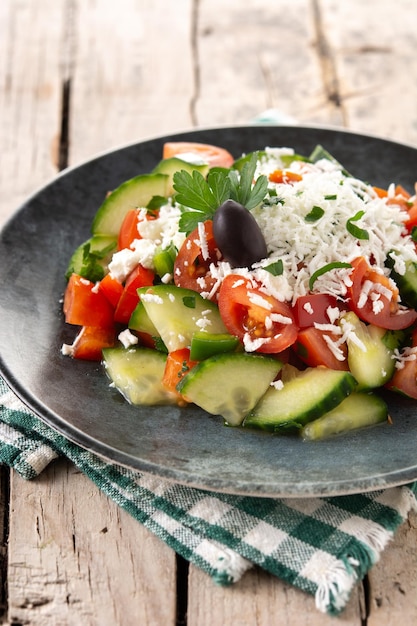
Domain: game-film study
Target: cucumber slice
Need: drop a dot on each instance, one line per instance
(175, 164)
(356, 411)
(178, 313)
(133, 193)
(91, 258)
(139, 321)
(302, 399)
(370, 361)
(137, 373)
(205, 345)
(407, 282)
(229, 384)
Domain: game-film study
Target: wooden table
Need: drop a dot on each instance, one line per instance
(80, 77)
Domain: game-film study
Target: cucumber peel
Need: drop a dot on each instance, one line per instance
(229, 384)
(305, 397)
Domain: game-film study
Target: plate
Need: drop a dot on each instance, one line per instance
(183, 445)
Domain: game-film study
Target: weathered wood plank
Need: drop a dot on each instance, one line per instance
(260, 599)
(393, 582)
(373, 47)
(77, 558)
(132, 73)
(30, 96)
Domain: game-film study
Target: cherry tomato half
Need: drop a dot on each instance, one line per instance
(374, 298)
(313, 349)
(260, 321)
(191, 267)
(314, 308)
(213, 155)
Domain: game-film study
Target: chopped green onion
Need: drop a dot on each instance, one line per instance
(276, 268)
(326, 268)
(315, 214)
(331, 197)
(355, 231)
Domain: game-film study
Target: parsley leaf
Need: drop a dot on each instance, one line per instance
(200, 198)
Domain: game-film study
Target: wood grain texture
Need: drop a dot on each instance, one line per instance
(76, 558)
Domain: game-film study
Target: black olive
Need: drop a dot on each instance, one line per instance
(238, 235)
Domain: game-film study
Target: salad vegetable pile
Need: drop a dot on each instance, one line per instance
(275, 290)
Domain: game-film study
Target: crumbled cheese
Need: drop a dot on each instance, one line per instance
(278, 384)
(308, 308)
(203, 241)
(127, 338)
(251, 345)
(151, 297)
(67, 350)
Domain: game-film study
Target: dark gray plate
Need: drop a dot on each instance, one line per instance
(185, 445)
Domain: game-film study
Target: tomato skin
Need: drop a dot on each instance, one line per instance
(191, 270)
(312, 348)
(111, 288)
(284, 176)
(389, 317)
(404, 380)
(90, 341)
(129, 229)
(139, 277)
(244, 316)
(178, 363)
(213, 155)
(312, 308)
(84, 306)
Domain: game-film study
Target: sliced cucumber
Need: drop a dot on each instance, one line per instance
(205, 345)
(356, 411)
(91, 258)
(370, 360)
(302, 399)
(229, 384)
(175, 164)
(137, 373)
(133, 193)
(178, 313)
(407, 282)
(140, 321)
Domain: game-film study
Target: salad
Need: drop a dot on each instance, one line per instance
(275, 290)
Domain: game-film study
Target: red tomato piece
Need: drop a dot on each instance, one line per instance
(404, 379)
(129, 228)
(374, 298)
(313, 308)
(284, 176)
(313, 349)
(111, 288)
(139, 277)
(86, 306)
(191, 267)
(253, 316)
(90, 341)
(177, 365)
(213, 155)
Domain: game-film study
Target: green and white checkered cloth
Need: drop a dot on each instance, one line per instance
(323, 546)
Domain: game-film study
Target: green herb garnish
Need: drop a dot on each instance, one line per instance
(326, 268)
(355, 231)
(189, 301)
(315, 214)
(200, 197)
(276, 268)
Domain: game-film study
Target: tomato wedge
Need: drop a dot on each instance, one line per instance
(139, 277)
(191, 267)
(313, 349)
(86, 306)
(284, 176)
(404, 380)
(260, 321)
(213, 155)
(129, 228)
(374, 298)
(111, 288)
(314, 308)
(90, 341)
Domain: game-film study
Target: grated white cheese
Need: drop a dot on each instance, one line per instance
(127, 338)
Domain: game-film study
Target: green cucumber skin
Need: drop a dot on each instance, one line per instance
(229, 384)
(134, 193)
(374, 366)
(137, 374)
(96, 243)
(139, 321)
(304, 398)
(174, 164)
(175, 322)
(407, 284)
(358, 410)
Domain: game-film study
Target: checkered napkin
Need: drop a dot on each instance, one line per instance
(323, 546)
